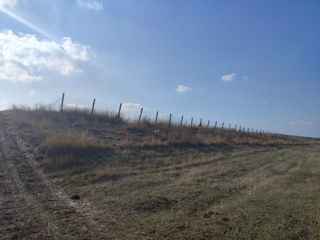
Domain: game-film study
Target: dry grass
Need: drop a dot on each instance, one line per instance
(183, 136)
(67, 141)
(74, 138)
(162, 182)
(151, 135)
(71, 151)
(188, 161)
(110, 173)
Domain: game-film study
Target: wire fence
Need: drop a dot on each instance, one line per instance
(136, 113)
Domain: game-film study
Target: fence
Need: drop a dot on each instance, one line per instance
(136, 113)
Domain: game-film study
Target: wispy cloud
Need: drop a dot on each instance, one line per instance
(20, 19)
(8, 3)
(182, 89)
(228, 77)
(131, 107)
(23, 57)
(90, 4)
(300, 123)
(245, 78)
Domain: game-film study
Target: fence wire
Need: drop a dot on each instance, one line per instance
(131, 113)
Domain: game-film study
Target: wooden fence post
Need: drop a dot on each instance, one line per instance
(208, 124)
(62, 100)
(191, 121)
(119, 110)
(229, 125)
(92, 109)
(200, 124)
(140, 117)
(170, 119)
(215, 125)
(222, 125)
(156, 121)
(181, 121)
(240, 128)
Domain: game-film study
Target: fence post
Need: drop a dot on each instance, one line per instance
(229, 125)
(240, 128)
(235, 127)
(208, 124)
(92, 109)
(222, 125)
(181, 121)
(170, 119)
(215, 125)
(119, 110)
(62, 100)
(156, 121)
(200, 124)
(191, 121)
(140, 116)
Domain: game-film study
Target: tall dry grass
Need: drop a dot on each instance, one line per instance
(145, 135)
(72, 150)
(67, 141)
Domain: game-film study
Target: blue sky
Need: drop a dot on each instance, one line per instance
(250, 63)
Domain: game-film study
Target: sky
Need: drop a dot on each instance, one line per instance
(250, 63)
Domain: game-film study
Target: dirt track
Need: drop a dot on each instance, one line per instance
(32, 206)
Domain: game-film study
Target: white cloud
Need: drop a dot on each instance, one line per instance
(300, 123)
(131, 107)
(182, 89)
(8, 3)
(14, 73)
(75, 50)
(90, 4)
(31, 93)
(23, 57)
(228, 77)
(245, 78)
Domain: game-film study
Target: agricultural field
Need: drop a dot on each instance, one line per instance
(70, 175)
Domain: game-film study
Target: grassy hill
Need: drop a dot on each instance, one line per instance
(101, 177)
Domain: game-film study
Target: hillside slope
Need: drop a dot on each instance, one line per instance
(75, 176)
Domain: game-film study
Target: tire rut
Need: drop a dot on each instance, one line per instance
(19, 209)
(62, 217)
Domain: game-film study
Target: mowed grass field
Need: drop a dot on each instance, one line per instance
(99, 177)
